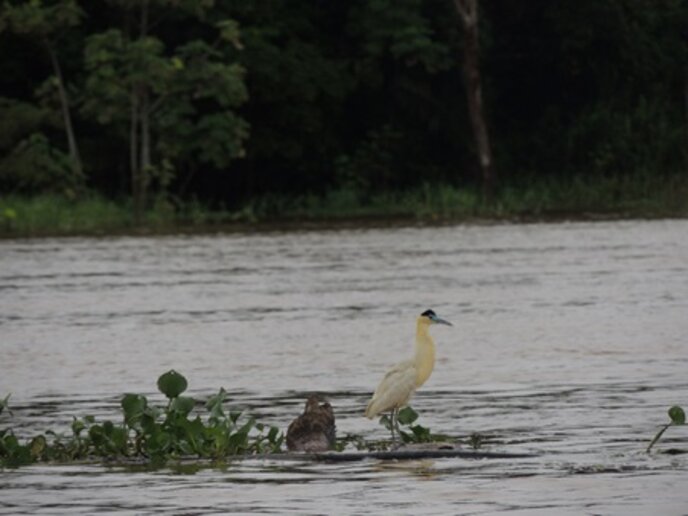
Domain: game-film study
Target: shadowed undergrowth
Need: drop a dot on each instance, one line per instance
(643, 196)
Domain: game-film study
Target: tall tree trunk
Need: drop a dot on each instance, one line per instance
(139, 133)
(134, 157)
(144, 118)
(468, 11)
(66, 114)
(145, 145)
(685, 91)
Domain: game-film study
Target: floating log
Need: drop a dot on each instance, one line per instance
(404, 453)
(399, 454)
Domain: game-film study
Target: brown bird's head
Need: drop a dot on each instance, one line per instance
(313, 408)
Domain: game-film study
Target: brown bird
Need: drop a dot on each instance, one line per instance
(314, 430)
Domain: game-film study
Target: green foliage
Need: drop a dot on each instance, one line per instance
(476, 440)
(325, 109)
(57, 214)
(678, 418)
(402, 31)
(36, 166)
(36, 18)
(174, 105)
(52, 214)
(28, 162)
(172, 384)
(413, 433)
(4, 404)
(154, 433)
(18, 120)
(677, 415)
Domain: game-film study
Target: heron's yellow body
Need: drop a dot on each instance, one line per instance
(398, 386)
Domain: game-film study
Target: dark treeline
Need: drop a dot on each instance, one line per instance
(227, 100)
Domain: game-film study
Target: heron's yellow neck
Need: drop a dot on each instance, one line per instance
(425, 353)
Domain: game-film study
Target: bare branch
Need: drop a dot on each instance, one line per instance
(468, 10)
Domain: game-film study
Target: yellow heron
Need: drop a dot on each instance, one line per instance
(400, 383)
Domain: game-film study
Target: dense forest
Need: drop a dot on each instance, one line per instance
(223, 101)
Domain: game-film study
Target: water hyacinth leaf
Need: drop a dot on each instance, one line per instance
(386, 422)
(194, 434)
(149, 421)
(133, 406)
(4, 404)
(247, 427)
(237, 442)
(677, 415)
(422, 434)
(407, 416)
(97, 435)
(119, 437)
(217, 400)
(214, 406)
(183, 405)
(172, 384)
(77, 426)
(108, 428)
(272, 434)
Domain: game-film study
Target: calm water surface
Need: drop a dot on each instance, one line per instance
(570, 341)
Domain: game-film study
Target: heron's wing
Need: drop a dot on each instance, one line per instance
(395, 389)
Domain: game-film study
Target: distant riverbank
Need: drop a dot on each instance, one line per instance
(53, 215)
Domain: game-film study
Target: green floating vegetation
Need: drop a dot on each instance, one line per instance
(415, 433)
(157, 434)
(677, 416)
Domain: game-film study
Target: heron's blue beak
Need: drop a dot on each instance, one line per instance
(440, 321)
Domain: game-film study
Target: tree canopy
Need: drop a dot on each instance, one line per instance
(225, 101)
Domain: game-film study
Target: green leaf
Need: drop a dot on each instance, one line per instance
(677, 415)
(183, 405)
(77, 426)
(134, 406)
(407, 416)
(272, 434)
(386, 422)
(172, 384)
(108, 428)
(214, 406)
(229, 31)
(148, 422)
(97, 435)
(4, 404)
(119, 438)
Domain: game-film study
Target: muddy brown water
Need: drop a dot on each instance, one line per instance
(570, 342)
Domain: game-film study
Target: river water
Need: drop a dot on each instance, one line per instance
(570, 341)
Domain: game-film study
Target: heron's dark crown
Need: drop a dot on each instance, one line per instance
(429, 313)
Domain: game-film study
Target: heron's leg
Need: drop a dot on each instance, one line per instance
(396, 423)
(392, 424)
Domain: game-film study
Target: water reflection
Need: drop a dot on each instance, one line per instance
(569, 342)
